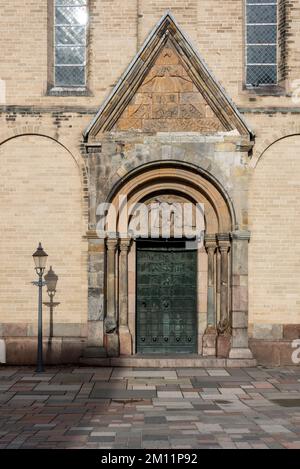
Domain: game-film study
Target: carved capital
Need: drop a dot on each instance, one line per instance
(125, 245)
(111, 244)
(210, 242)
(223, 242)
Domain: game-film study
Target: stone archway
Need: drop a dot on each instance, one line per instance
(222, 263)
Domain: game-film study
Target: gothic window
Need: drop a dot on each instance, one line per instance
(70, 33)
(261, 42)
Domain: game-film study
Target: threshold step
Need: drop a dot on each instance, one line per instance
(169, 362)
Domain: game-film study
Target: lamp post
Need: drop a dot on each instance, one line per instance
(40, 259)
(51, 281)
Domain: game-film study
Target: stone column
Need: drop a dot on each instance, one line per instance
(124, 333)
(111, 323)
(96, 289)
(224, 245)
(210, 335)
(224, 331)
(240, 346)
(218, 283)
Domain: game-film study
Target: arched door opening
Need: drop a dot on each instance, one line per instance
(170, 295)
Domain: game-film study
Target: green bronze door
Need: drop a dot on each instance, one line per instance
(166, 298)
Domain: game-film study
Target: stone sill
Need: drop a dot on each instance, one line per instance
(268, 90)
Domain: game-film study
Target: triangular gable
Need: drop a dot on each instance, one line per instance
(167, 87)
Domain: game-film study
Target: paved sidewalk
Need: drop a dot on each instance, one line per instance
(143, 408)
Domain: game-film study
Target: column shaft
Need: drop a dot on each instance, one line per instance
(240, 347)
(210, 244)
(123, 282)
(210, 335)
(224, 245)
(111, 316)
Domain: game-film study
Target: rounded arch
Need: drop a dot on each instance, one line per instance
(264, 146)
(181, 178)
(46, 133)
(28, 131)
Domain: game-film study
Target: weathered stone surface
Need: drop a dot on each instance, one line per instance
(167, 100)
(272, 352)
(223, 346)
(13, 330)
(240, 337)
(240, 319)
(71, 350)
(95, 333)
(268, 331)
(265, 352)
(291, 331)
(96, 300)
(125, 341)
(112, 344)
(209, 344)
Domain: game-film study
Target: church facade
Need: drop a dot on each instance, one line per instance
(117, 107)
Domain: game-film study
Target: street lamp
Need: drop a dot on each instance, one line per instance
(40, 260)
(51, 281)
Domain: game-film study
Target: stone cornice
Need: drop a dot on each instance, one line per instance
(242, 235)
(16, 109)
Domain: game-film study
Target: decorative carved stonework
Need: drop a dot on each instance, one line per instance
(167, 87)
(177, 222)
(168, 100)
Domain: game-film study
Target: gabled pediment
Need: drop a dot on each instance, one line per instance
(167, 87)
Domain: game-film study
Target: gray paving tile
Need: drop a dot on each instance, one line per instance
(121, 394)
(106, 408)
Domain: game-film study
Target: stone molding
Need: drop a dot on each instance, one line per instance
(241, 235)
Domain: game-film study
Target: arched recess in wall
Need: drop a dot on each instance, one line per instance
(49, 133)
(41, 200)
(274, 250)
(261, 147)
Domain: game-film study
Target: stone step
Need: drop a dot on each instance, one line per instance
(168, 362)
(94, 361)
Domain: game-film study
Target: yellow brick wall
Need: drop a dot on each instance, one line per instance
(41, 200)
(113, 43)
(184, 11)
(117, 28)
(274, 213)
(23, 56)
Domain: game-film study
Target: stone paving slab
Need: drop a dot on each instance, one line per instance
(121, 394)
(77, 407)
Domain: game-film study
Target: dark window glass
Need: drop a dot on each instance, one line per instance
(261, 42)
(70, 42)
